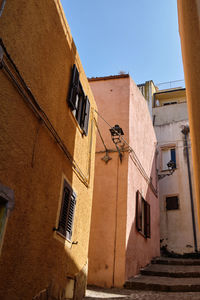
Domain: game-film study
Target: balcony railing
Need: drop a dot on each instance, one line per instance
(171, 85)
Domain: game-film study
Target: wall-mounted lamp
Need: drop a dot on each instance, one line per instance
(171, 168)
(116, 132)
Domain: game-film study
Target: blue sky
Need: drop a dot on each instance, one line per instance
(139, 37)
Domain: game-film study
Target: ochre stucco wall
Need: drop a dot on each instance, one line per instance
(117, 250)
(38, 39)
(189, 29)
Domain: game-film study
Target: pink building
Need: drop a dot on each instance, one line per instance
(125, 215)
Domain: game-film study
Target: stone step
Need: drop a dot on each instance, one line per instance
(165, 284)
(176, 271)
(176, 261)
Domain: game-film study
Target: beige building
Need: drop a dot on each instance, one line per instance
(47, 151)
(178, 211)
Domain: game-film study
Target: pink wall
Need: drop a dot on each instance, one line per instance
(108, 224)
(113, 253)
(142, 139)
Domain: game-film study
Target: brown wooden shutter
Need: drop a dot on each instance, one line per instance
(138, 211)
(67, 211)
(70, 219)
(86, 116)
(147, 216)
(74, 88)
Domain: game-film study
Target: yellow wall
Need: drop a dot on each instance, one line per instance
(189, 28)
(38, 39)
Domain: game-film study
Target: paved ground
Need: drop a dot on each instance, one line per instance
(116, 294)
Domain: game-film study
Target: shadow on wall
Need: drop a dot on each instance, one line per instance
(140, 250)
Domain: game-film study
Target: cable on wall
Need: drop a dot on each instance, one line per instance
(29, 98)
(134, 158)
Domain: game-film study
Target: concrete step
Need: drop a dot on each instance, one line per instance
(176, 271)
(176, 261)
(165, 284)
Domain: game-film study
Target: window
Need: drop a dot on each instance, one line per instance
(78, 102)
(167, 155)
(142, 216)
(3, 213)
(6, 206)
(169, 103)
(172, 203)
(66, 219)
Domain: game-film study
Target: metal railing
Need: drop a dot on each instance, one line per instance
(171, 84)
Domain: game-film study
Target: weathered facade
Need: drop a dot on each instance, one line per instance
(125, 213)
(47, 146)
(189, 29)
(178, 213)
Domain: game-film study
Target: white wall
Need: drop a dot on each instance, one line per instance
(176, 225)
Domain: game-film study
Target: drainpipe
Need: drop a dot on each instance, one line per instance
(185, 131)
(2, 7)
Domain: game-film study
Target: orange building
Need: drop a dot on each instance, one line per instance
(47, 150)
(125, 214)
(189, 29)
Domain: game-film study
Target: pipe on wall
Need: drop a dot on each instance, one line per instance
(185, 131)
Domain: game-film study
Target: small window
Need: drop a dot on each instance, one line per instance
(168, 155)
(172, 203)
(79, 102)
(142, 216)
(66, 219)
(3, 214)
(169, 103)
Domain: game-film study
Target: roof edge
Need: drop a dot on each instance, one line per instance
(109, 77)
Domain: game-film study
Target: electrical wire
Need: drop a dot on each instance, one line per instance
(26, 93)
(133, 156)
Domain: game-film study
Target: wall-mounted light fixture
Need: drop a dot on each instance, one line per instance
(116, 133)
(171, 168)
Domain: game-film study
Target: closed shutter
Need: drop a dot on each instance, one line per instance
(73, 95)
(147, 228)
(86, 116)
(138, 211)
(67, 211)
(70, 219)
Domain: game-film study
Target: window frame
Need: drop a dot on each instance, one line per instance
(143, 216)
(167, 148)
(178, 202)
(79, 102)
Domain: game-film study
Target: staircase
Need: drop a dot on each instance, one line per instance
(168, 275)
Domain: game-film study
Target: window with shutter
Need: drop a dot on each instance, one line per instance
(168, 154)
(78, 102)
(143, 224)
(66, 219)
(138, 211)
(3, 203)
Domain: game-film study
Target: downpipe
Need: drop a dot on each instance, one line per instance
(185, 131)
